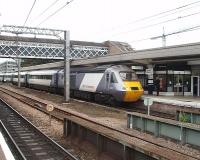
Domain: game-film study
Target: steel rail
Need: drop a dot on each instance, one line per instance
(99, 124)
(32, 127)
(12, 144)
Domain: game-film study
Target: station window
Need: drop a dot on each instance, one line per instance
(170, 82)
(143, 79)
(162, 78)
(175, 83)
(187, 83)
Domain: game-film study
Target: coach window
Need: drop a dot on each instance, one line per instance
(113, 78)
(47, 77)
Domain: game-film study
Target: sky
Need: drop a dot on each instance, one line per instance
(102, 20)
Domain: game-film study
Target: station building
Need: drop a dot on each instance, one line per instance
(178, 67)
(8, 66)
(179, 74)
(175, 79)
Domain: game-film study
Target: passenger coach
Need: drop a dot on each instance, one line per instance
(109, 83)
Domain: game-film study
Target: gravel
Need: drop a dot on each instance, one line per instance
(105, 115)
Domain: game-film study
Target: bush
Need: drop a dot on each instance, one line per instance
(183, 117)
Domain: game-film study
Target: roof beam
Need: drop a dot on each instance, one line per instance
(182, 51)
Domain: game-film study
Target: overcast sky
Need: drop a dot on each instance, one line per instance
(101, 20)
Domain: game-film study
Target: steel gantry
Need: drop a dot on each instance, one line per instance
(49, 44)
(47, 48)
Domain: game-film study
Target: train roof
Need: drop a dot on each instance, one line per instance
(43, 72)
(100, 68)
(90, 69)
(21, 73)
(2, 74)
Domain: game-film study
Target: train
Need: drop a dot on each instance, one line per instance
(107, 83)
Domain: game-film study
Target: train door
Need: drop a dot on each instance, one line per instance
(107, 82)
(59, 79)
(26, 76)
(56, 78)
(195, 85)
(12, 76)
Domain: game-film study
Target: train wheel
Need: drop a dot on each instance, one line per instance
(112, 102)
(97, 98)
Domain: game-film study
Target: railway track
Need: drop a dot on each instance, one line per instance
(33, 103)
(32, 143)
(42, 106)
(136, 107)
(60, 114)
(153, 113)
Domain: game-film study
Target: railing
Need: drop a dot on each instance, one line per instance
(185, 133)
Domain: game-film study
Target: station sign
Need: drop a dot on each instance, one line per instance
(150, 81)
(149, 71)
(148, 101)
(137, 67)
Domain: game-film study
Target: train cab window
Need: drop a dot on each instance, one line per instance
(113, 79)
(128, 76)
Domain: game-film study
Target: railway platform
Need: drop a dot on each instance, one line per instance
(185, 101)
(180, 106)
(2, 154)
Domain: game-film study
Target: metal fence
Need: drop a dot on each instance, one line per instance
(185, 133)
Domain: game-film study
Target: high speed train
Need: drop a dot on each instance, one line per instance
(108, 83)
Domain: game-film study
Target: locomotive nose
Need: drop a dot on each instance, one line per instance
(133, 91)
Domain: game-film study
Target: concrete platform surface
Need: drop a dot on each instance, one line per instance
(186, 101)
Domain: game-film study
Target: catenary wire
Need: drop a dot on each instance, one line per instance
(55, 12)
(50, 6)
(161, 13)
(177, 12)
(29, 12)
(177, 32)
(155, 24)
(158, 14)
